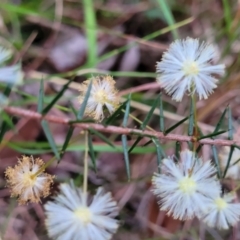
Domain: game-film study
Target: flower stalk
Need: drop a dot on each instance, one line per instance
(85, 171)
(195, 133)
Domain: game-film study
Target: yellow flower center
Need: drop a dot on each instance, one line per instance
(29, 179)
(101, 96)
(84, 214)
(190, 68)
(187, 185)
(221, 203)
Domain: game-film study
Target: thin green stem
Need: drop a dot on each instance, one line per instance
(91, 32)
(193, 96)
(195, 134)
(41, 169)
(167, 13)
(85, 171)
(48, 163)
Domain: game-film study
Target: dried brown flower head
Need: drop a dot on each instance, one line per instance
(103, 96)
(28, 181)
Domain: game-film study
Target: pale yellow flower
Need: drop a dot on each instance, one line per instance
(28, 181)
(103, 96)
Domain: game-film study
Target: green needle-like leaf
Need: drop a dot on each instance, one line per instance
(85, 100)
(73, 110)
(236, 162)
(126, 157)
(167, 13)
(228, 161)
(178, 150)
(230, 125)
(175, 125)
(100, 135)
(91, 152)
(160, 152)
(127, 110)
(19, 9)
(227, 16)
(150, 141)
(216, 160)
(91, 32)
(41, 148)
(236, 146)
(147, 143)
(8, 121)
(4, 128)
(134, 144)
(149, 114)
(212, 134)
(145, 122)
(69, 133)
(199, 131)
(67, 140)
(40, 97)
(191, 118)
(219, 124)
(49, 137)
(44, 123)
(59, 95)
(199, 148)
(7, 90)
(111, 118)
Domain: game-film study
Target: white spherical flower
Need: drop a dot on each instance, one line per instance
(9, 74)
(221, 212)
(233, 169)
(72, 217)
(187, 66)
(103, 95)
(184, 188)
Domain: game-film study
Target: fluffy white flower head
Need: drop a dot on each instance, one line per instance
(103, 95)
(221, 212)
(184, 188)
(187, 66)
(72, 217)
(9, 74)
(27, 182)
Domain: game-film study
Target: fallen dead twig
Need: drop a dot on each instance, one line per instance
(114, 129)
